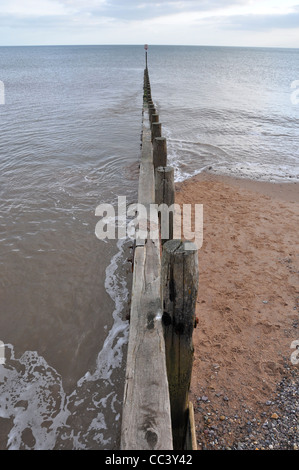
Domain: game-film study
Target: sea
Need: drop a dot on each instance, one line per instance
(70, 140)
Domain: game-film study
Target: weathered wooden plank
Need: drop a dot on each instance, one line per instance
(146, 422)
(190, 440)
(146, 416)
(146, 187)
(192, 426)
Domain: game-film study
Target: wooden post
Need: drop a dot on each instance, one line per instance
(156, 130)
(146, 88)
(165, 194)
(159, 152)
(179, 287)
(151, 111)
(155, 118)
(164, 186)
(146, 48)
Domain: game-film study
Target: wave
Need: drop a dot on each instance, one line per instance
(33, 397)
(190, 157)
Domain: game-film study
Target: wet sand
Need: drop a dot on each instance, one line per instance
(248, 303)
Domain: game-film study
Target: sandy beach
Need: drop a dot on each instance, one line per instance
(248, 313)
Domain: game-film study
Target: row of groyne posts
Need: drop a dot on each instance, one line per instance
(157, 413)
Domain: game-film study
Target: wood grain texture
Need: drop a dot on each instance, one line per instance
(165, 197)
(180, 286)
(159, 151)
(146, 417)
(146, 423)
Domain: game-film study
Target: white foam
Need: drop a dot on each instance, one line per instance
(190, 158)
(32, 393)
(26, 386)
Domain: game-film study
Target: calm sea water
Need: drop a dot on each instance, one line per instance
(70, 140)
(229, 108)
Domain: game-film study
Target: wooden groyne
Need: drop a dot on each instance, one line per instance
(157, 414)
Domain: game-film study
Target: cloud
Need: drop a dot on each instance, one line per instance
(132, 10)
(262, 22)
(141, 10)
(128, 10)
(31, 8)
(138, 21)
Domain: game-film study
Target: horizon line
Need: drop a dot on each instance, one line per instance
(150, 45)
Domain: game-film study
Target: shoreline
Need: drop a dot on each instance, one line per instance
(247, 310)
(284, 190)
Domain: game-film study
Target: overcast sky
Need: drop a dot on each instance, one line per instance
(273, 23)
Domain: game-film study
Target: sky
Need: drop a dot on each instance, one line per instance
(256, 23)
